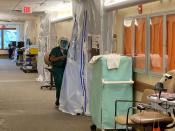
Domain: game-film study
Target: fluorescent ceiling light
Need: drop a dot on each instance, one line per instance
(111, 2)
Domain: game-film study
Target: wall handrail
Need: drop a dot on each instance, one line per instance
(117, 82)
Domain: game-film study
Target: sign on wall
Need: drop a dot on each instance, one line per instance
(27, 10)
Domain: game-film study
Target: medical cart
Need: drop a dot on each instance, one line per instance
(108, 86)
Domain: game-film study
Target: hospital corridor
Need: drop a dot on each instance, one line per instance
(87, 65)
(33, 109)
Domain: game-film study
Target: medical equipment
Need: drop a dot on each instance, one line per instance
(147, 115)
(163, 104)
(107, 86)
(93, 46)
(159, 85)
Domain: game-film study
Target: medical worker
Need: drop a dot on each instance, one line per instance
(57, 57)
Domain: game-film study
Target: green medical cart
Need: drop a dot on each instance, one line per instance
(107, 86)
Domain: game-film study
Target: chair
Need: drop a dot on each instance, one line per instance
(126, 120)
(49, 68)
(148, 117)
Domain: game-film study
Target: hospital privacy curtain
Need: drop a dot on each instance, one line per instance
(140, 34)
(170, 42)
(156, 44)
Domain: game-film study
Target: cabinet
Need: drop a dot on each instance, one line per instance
(108, 86)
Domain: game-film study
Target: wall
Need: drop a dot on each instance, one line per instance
(64, 29)
(21, 31)
(3, 52)
(150, 8)
(16, 17)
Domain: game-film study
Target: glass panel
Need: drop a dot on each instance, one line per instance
(9, 35)
(170, 57)
(0, 39)
(140, 35)
(156, 47)
(128, 37)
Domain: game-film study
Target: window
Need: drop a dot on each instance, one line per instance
(128, 37)
(170, 42)
(140, 36)
(150, 40)
(7, 35)
(156, 44)
(134, 41)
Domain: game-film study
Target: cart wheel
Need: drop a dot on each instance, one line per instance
(78, 114)
(93, 127)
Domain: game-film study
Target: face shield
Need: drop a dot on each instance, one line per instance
(64, 44)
